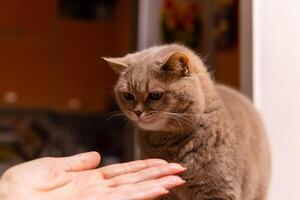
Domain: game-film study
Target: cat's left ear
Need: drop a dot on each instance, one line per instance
(177, 63)
(117, 64)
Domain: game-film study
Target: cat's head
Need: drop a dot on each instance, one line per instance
(158, 88)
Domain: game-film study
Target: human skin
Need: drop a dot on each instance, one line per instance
(77, 178)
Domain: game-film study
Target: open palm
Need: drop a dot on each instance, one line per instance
(76, 177)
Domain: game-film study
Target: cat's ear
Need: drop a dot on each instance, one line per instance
(177, 63)
(117, 64)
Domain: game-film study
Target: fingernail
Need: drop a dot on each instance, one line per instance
(173, 181)
(166, 192)
(87, 153)
(177, 166)
(156, 161)
(182, 182)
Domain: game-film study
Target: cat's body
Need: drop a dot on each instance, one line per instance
(226, 156)
(211, 129)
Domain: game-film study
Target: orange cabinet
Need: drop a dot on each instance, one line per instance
(30, 18)
(82, 75)
(52, 62)
(26, 51)
(27, 69)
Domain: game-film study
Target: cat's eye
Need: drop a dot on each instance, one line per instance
(128, 96)
(155, 96)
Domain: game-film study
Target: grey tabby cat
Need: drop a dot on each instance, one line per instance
(182, 116)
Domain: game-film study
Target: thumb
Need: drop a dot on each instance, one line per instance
(83, 161)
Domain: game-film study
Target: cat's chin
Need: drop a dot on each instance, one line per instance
(151, 126)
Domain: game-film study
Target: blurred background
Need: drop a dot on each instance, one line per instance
(56, 93)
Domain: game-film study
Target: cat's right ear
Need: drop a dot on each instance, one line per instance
(117, 64)
(177, 64)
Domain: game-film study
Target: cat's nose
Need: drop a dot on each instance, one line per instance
(138, 113)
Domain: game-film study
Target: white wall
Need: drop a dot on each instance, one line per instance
(148, 23)
(276, 50)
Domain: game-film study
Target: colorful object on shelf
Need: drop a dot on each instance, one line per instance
(180, 22)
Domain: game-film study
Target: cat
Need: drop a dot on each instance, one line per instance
(182, 116)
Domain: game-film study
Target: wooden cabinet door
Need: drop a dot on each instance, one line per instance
(26, 51)
(82, 75)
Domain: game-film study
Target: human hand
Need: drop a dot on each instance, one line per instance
(75, 177)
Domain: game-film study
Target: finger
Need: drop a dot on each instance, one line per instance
(130, 167)
(147, 189)
(81, 162)
(167, 182)
(146, 174)
(147, 193)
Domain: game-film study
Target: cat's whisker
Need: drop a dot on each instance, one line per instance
(114, 115)
(181, 118)
(168, 115)
(178, 121)
(117, 117)
(182, 129)
(120, 118)
(128, 124)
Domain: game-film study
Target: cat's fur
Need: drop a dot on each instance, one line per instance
(211, 129)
